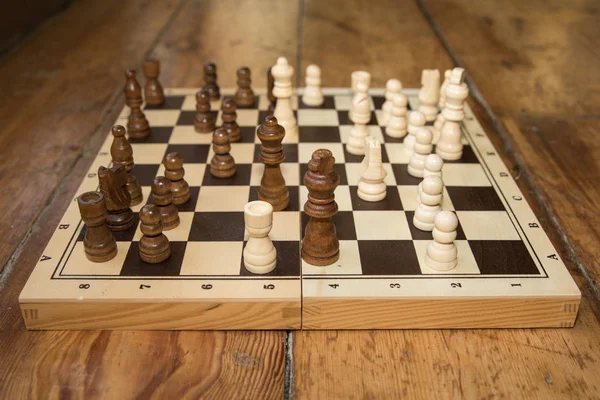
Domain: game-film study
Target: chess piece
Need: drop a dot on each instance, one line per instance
(174, 172)
(442, 254)
(433, 167)
(430, 203)
(244, 96)
(416, 121)
(137, 124)
(392, 87)
(370, 185)
(153, 90)
(204, 122)
(99, 243)
(270, 86)
(260, 256)
(429, 93)
(154, 246)
(439, 120)
(229, 117)
(360, 76)
(222, 164)
(162, 197)
(313, 95)
(282, 72)
(210, 82)
(272, 185)
(360, 114)
(320, 245)
(112, 182)
(442, 101)
(422, 149)
(121, 152)
(450, 146)
(396, 126)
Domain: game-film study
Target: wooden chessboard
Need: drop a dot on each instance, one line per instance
(508, 273)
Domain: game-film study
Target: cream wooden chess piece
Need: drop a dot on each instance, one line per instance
(360, 76)
(439, 121)
(423, 147)
(430, 203)
(416, 121)
(282, 73)
(450, 146)
(360, 114)
(260, 256)
(371, 186)
(313, 94)
(396, 126)
(392, 87)
(442, 254)
(433, 166)
(429, 93)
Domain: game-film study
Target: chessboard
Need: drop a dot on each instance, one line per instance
(508, 275)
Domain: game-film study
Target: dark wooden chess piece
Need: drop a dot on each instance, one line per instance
(113, 183)
(98, 243)
(229, 117)
(121, 152)
(153, 90)
(244, 97)
(174, 172)
(320, 245)
(222, 164)
(270, 86)
(272, 185)
(163, 198)
(204, 122)
(154, 246)
(210, 81)
(137, 124)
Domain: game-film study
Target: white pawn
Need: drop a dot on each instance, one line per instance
(282, 74)
(396, 126)
(433, 167)
(429, 93)
(442, 254)
(423, 147)
(416, 121)
(442, 102)
(360, 114)
(450, 145)
(371, 186)
(392, 87)
(430, 204)
(260, 256)
(313, 95)
(439, 121)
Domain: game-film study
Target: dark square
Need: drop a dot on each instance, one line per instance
(294, 204)
(134, 266)
(288, 260)
(498, 257)
(388, 257)
(121, 236)
(263, 114)
(418, 234)
(468, 156)
(145, 173)
(390, 202)
(190, 205)
(353, 158)
(340, 168)
(402, 175)
(241, 177)
(344, 120)
(191, 153)
(248, 133)
(471, 198)
(328, 104)
(187, 118)
(344, 225)
(217, 226)
(160, 134)
(378, 101)
(290, 151)
(325, 134)
(171, 103)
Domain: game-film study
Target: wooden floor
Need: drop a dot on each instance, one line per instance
(535, 81)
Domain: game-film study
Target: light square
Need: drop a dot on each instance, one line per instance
(245, 117)
(189, 103)
(223, 198)
(353, 174)
(373, 130)
(487, 225)
(263, 103)
(305, 151)
(342, 197)
(185, 134)
(464, 175)
(466, 261)
(212, 258)
(318, 118)
(162, 117)
(78, 264)
(408, 196)
(342, 102)
(146, 191)
(413, 102)
(194, 173)
(286, 226)
(149, 153)
(290, 172)
(180, 234)
(348, 263)
(381, 225)
(397, 154)
(243, 153)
